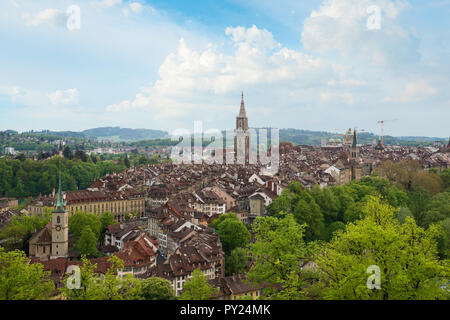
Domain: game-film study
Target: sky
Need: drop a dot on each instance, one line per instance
(317, 65)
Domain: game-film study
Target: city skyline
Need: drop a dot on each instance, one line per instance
(314, 66)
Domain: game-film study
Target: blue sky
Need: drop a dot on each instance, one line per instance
(164, 64)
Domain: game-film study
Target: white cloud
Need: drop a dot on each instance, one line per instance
(51, 17)
(341, 26)
(413, 91)
(139, 102)
(188, 77)
(342, 73)
(66, 97)
(106, 3)
(22, 96)
(136, 7)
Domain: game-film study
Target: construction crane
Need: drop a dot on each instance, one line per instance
(382, 128)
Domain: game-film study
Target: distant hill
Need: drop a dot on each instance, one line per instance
(113, 133)
(307, 137)
(148, 137)
(125, 134)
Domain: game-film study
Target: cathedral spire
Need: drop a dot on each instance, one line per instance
(59, 204)
(354, 138)
(242, 110)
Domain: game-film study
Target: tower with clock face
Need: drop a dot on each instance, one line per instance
(60, 227)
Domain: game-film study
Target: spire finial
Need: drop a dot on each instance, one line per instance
(242, 110)
(59, 204)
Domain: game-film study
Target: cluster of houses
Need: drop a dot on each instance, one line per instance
(163, 210)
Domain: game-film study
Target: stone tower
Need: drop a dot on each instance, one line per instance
(354, 156)
(60, 226)
(242, 135)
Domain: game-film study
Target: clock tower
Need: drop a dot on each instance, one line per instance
(60, 226)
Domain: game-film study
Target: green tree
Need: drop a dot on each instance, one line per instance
(20, 229)
(87, 244)
(110, 286)
(155, 288)
(405, 254)
(444, 239)
(354, 211)
(229, 215)
(277, 254)
(393, 195)
(236, 261)
(302, 205)
(438, 209)
(333, 228)
(82, 220)
(418, 200)
(106, 219)
(232, 232)
(306, 211)
(445, 177)
(127, 162)
(403, 214)
(115, 287)
(346, 197)
(21, 280)
(197, 288)
(67, 153)
(327, 201)
(90, 288)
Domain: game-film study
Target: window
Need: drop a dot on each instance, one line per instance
(58, 219)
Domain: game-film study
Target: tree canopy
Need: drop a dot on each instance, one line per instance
(155, 288)
(197, 287)
(20, 280)
(278, 254)
(405, 254)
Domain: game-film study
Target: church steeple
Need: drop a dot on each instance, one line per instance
(354, 139)
(354, 147)
(241, 119)
(60, 226)
(242, 134)
(59, 203)
(242, 110)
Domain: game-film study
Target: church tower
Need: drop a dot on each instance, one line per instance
(60, 226)
(241, 119)
(354, 148)
(354, 152)
(242, 134)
